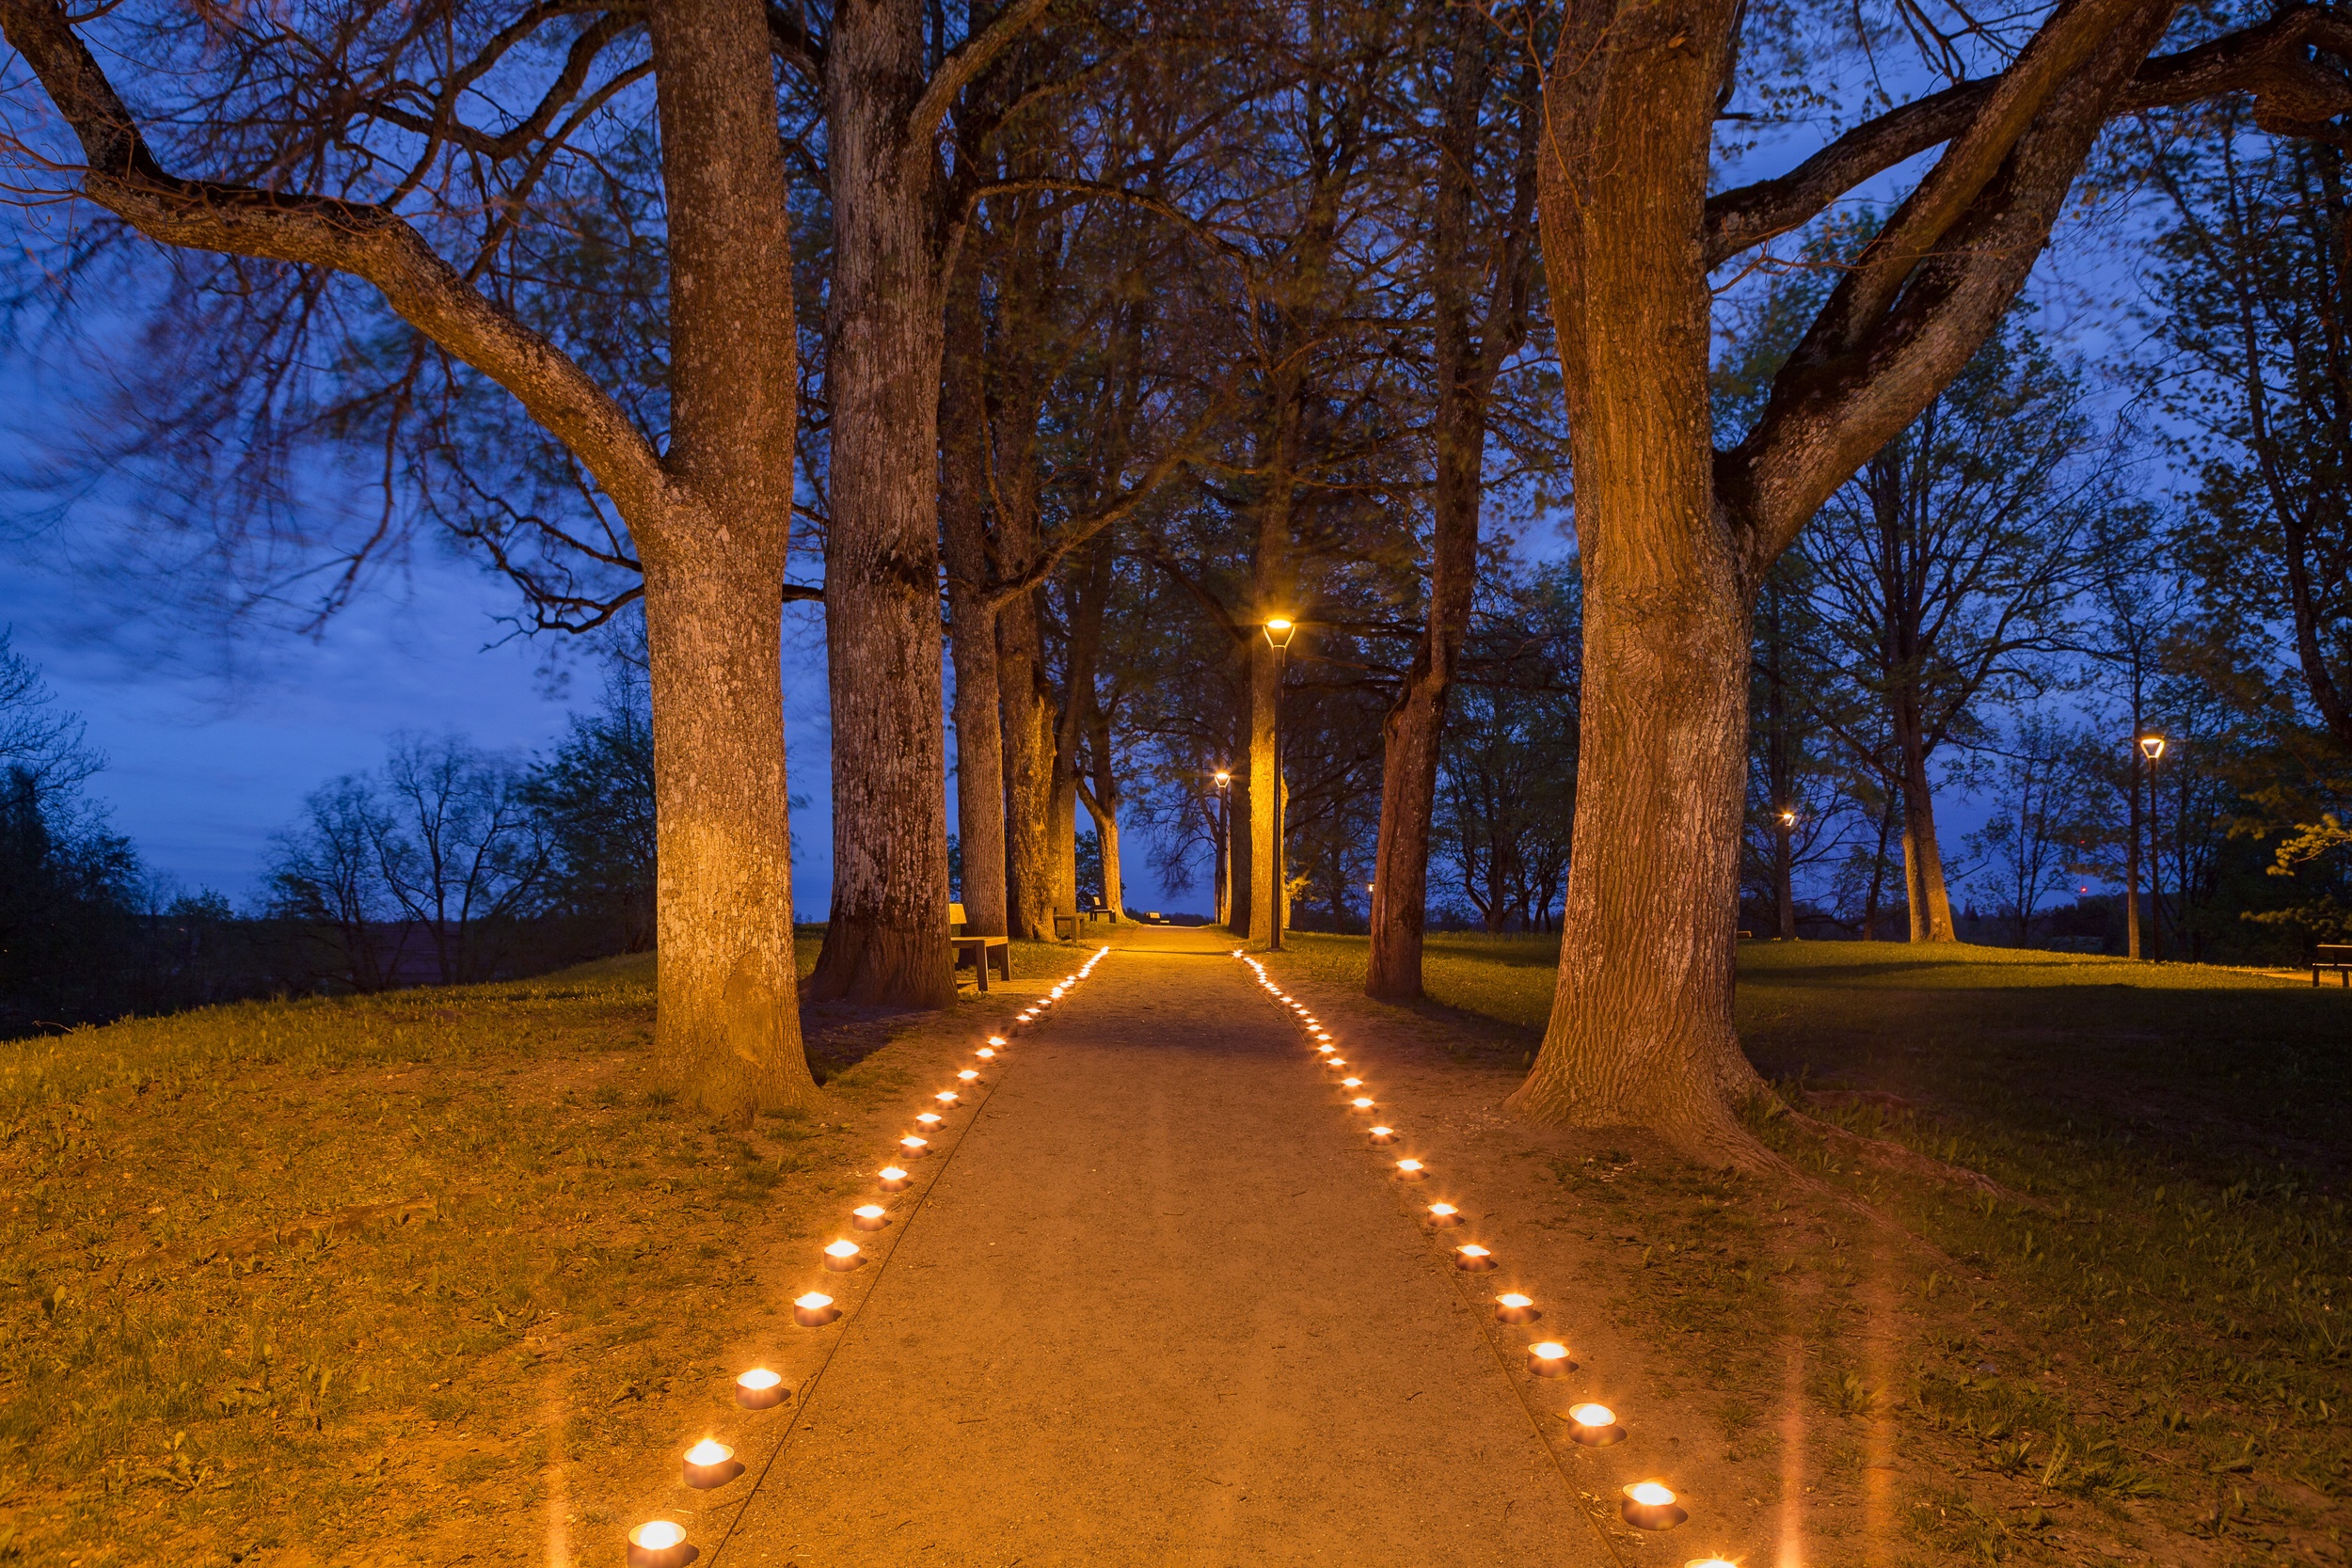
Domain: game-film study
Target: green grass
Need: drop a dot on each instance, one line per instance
(331, 1274)
(2170, 1278)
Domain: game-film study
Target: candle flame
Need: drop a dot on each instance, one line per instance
(969, 1076)
(869, 1211)
(930, 1120)
(1351, 1083)
(985, 1054)
(1384, 1133)
(1360, 1104)
(708, 1452)
(1474, 1251)
(813, 1302)
(841, 1249)
(1515, 1301)
(1415, 1165)
(1443, 1209)
(657, 1534)
(892, 1173)
(1551, 1349)
(945, 1097)
(1592, 1416)
(995, 1039)
(759, 1377)
(1650, 1494)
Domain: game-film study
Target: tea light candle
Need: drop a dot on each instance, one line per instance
(986, 1054)
(1410, 1170)
(1360, 1104)
(1325, 1049)
(946, 1097)
(1513, 1308)
(968, 1076)
(997, 1040)
(929, 1121)
(814, 1310)
(1444, 1214)
(1594, 1425)
(759, 1389)
(659, 1544)
(841, 1256)
(869, 1216)
(1473, 1257)
(1335, 1061)
(1650, 1506)
(1384, 1134)
(711, 1463)
(913, 1145)
(890, 1179)
(1351, 1083)
(1549, 1360)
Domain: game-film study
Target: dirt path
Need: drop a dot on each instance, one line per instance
(1163, 1306)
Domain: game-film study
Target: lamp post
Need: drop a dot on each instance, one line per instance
(1277, 633)
(2152, 747)
(1224, 846)
(1782, 877)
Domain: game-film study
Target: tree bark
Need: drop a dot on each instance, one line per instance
(1240, 835)
(1265, 891)
(1923, 856)
(971, 619)
(1641, 1028)
(885, 943)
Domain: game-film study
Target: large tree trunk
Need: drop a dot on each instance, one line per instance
(727, 1025)
(1240, 842)
(1265, 858)
(972, 619)
(1641, 1028)
(1028, 711)
(886, 940)
(1923, 858)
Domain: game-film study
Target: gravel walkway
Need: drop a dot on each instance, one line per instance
(1163, 1306)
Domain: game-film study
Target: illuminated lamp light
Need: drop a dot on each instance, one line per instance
(1473, 1257)
(710, 1464)
(1443, 1215)
(997, 1040)
(891, 1178)
(1360, 1104)
(760, 1390)
(869, 1216)
(929, 1121)
(841, 1256)
(1549, 1358)
(1383, 1135)
(814, 1310)
(1335, 1061)
(659, 1544)
(1513, 1308)
(986, 1054)
(1351, 1083)
(1594, 1425)
(968, 1075)
(1326, 1048)
(913, 1145)
(947, 1097)
(1650, 1506)
(1710, 1563)
(1410, 1170)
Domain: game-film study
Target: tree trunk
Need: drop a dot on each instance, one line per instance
(1641, 1028)
(1923, 858)
(1221, 845)
(727, 1024)
(1241, 817)
(885, 943)
(972, 619)
(1029, 717)
(1784, 893)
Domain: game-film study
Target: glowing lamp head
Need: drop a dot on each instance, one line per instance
(656, 1535)
(1223, 778)
(841, 1249)
(2152, 745)
(1592, 1416)
(1279, 629)
(1650, 1495)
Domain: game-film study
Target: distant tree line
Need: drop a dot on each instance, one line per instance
(445, 865)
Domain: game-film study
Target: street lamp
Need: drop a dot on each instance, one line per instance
(1224, 848)
(1783, 877)
(2152, 747)
(1277, 633)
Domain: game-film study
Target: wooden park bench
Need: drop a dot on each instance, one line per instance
(1098, 911)
(2333, 955)
(1065, 926)
(980, 952)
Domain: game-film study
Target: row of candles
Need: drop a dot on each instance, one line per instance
(710, 1464)
(1648, 1504)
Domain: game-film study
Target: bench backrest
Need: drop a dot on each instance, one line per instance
(954, 920)
(2334, 952)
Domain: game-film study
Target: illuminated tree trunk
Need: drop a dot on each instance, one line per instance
(1923, 857)
(886, 940)
(972, 621)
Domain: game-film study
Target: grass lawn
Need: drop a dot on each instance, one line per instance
(2148, 1333)
(344, 1281)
